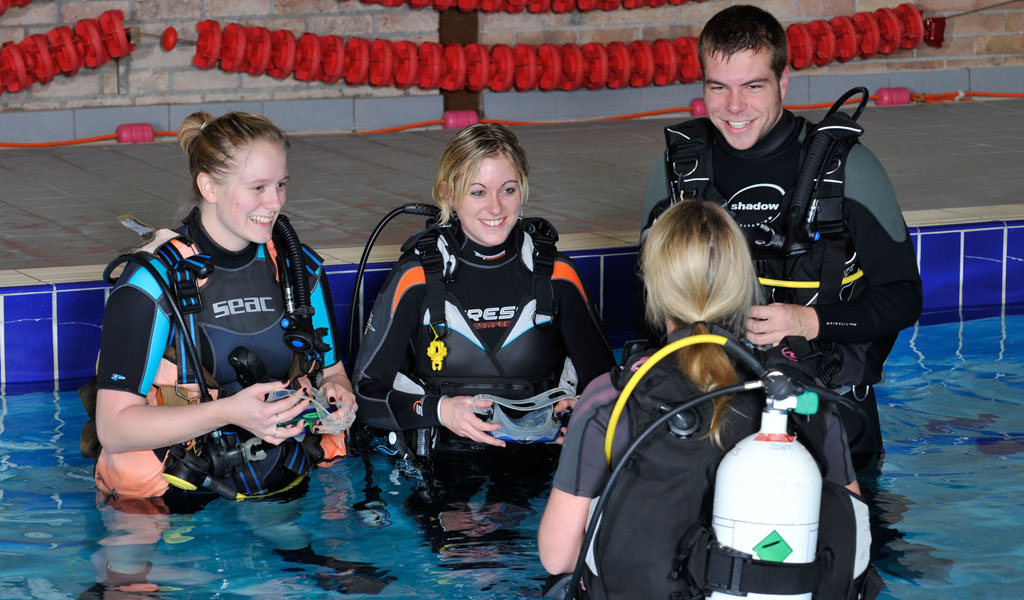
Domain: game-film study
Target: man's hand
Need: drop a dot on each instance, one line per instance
(767, 325)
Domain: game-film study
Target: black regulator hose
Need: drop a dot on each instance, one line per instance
(801, 214)
(142, 259)
(418, 208)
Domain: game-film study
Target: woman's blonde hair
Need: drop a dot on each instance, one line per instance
(697, 269)
(212, 144)
(461, 162)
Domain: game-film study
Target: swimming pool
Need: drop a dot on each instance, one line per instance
(947, 504)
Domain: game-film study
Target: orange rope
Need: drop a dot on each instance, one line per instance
(97, 138)
(402, 127)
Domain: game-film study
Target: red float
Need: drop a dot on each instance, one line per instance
(382, 64)
(493, 5)
(406, 64)
(428, 75)
(935, 31)
(468, 5)
(801, 45)
(538, 6)
(609, 5)
(890, 31)
(527, 71)
(642, 58)
(515, 6)
(689, 64)
(892, 96)
(549, 56)
(595, 69)
(257, 50)
(846, 38)
(656, 3)
(503, 68)
(308, 63)
(39, 62)
(282, 54)
(62, 47)
(572, 67)
(420, 4)
(169, 39)
(478, 67)
(14, 73)
(232, 47)
(115, 38)
(444, 4)
(563, 6)
(868, 38)
(207, 44)
(620, 66)
(453, 77)
(913, 25)
(89, 43)
(332, 58)
(666, 62)
(357, 61)
(586, 5)
(459, 119)
(824, 42)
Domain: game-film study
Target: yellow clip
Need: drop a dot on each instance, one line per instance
(436, 351)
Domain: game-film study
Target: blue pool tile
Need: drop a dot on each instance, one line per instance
(590, 271)
(940, 270)
(28, 338)
(618, 298)
(1015, 264)
(79, 322)
(983, 267)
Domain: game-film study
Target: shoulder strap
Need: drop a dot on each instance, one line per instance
(543, 236)
(428, 246)
(688, 159)
(187, 271)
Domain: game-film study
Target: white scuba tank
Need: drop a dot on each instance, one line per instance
(768, 499)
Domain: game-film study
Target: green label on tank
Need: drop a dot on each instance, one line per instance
(773, 548)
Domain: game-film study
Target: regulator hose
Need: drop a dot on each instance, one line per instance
(417, 208)
(800, 217)
(292, 275)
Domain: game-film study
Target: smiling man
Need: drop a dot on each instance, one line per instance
(843, 286)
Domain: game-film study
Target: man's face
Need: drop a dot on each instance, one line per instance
(743, 96)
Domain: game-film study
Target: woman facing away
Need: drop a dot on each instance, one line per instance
(699, 280)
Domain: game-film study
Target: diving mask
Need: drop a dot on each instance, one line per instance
(538, 425)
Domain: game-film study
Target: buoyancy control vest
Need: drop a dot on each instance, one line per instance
(236, 462)
(668, 486)
(523, 364)
(803, 253)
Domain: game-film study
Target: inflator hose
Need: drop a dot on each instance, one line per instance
(417, 208)
(800, 216)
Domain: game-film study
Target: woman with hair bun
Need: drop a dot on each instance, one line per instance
(215, 292)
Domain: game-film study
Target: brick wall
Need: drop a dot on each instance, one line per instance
(151, 76)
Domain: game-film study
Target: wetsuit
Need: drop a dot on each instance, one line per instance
(493, 345)
(242, 306)
(858, 327)
(668, 487)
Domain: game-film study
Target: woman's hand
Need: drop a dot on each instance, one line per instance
(457, 414)
(565, 404)
(263, 419)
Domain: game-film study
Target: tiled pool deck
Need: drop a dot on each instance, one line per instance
(956, 169)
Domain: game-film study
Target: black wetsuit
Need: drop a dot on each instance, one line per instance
(865, 319)
(493, 345)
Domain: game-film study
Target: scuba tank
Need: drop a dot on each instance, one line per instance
(768, 498)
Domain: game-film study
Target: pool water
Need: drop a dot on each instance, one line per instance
(946, 505)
